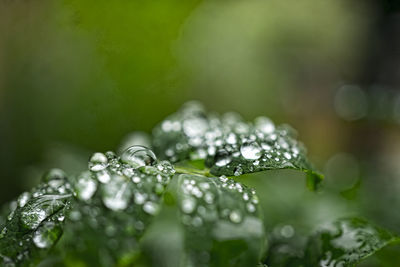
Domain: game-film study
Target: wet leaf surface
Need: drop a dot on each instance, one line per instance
(346, 242)
(35, 224)
(222, 221)
(230, 146)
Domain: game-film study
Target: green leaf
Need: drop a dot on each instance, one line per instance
(230, 146)
(346, 242)
(35, 225)
(222, 222)
(116, 202)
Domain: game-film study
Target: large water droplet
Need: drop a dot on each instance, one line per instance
(138, 156)
(264, 125)
(86, 186)
(46, 235)
(222, 158)
(97, 162)
(250, 150)
(116, 194)
(135, 139)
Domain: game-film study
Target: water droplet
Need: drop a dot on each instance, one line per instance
(287, 155)
(103, 176)
(138, 156)
(23, 199)
(250, 207)
(150, 207)
(135, 139)
(86, 186)
(235, 216)
(116, 193)
(140, 198)
(222, 158)
(287, 231)
(264, 125)
(195, 127)
(97, 162)
(238, 171)
(188, 205)
(209, 197)
(136, 179)
(231, 139)
(197, 221)
(46, 235)
(250, 151)
(54, 174)
(75, 215)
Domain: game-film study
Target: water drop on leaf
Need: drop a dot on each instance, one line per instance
(138, 156)
(222, 158)
(250, 150)
(46, 235)
(97, 162)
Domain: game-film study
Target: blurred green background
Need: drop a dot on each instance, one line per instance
(78, 76)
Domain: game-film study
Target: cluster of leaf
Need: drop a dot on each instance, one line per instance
(135, 209)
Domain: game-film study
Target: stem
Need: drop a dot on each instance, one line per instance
(187, 170)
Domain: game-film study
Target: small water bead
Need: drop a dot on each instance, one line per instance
(204, 186)
(195, 126)
(250, 207)
(136, 179)
(188, 205)
(86, 186)
(150, 207)
(287, 231)
(241, 128)
(97, 162)
(197, 221)
(128, 172)
(159, 189)
(140, 198)
(251, 150)
(46, 235)
(264, 125)
(266, 147)
(238, 171)
(54, 174)
(211, 150)
(222, 158)
(235, 216)
(138, 156)
(103, 176)
(197, 192)
(287, 155)
(23, 199)
(231, 139)
(209, 197)
(75, 215)
(116, 194)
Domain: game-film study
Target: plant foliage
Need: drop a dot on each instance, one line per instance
(178, 206)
